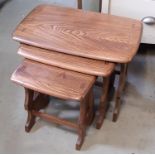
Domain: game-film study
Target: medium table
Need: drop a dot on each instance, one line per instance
(77, 64)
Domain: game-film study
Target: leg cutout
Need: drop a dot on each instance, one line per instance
(40, 102)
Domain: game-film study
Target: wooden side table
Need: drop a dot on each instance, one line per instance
(74, 63)
(60, 83)
(96, 36)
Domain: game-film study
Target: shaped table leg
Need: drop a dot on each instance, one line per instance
(103, 103)
(28, 106)
(90, 108)
(40, 102)
(82, 124)
(121, 86)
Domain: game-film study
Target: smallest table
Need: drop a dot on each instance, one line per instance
(57, 82)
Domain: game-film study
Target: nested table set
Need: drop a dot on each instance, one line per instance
(64, 51)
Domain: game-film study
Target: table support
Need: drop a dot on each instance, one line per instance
(32, 103)
(118, 93)
(35, 101)
(103, 102)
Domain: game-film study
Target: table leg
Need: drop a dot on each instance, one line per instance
(121, 86)
(40, 102)
(103, 102)
(90, 108)
(81, 124)
(28, 106)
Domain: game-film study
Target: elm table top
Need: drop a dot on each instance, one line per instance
(67, 61)
(81, 33)
(53, 81)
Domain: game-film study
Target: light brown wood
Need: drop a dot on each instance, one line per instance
(103, 103)
(82, 123)
(52, 80)
(31, 103)
(119, 90)
(91, 112)
(82, 33)
(28, 107)
(54, 119)
(75, 63)
(33, 98)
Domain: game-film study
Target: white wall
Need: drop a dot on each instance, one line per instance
(91, 5)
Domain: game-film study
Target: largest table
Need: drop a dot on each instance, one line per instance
(82, 33)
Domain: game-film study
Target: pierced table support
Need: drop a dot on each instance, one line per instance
(118, 93)
(33, 101)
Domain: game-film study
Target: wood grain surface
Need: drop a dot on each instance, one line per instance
(81, 33)
(66, 61)
(53, 81)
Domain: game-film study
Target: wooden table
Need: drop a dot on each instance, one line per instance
(57, 82)
(82, 33)
(78, 64)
